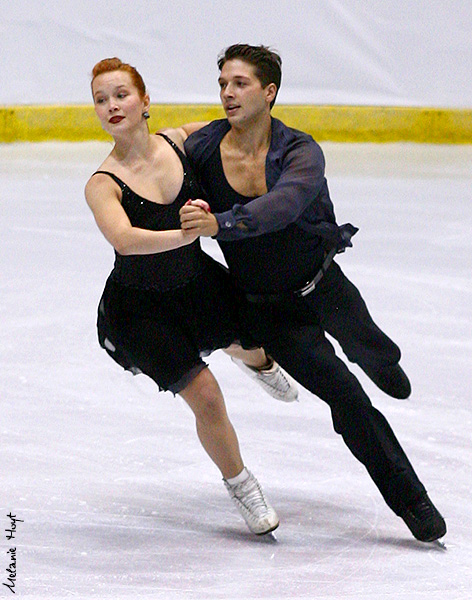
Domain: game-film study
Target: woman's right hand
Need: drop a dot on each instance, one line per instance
(195, 216)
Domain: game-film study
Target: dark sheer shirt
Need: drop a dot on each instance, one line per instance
(297, 188)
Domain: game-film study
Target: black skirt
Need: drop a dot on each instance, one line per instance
(164, 334)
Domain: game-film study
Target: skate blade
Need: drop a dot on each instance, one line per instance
(269, 537)
(439, 544)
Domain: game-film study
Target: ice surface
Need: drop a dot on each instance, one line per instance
(116, 496)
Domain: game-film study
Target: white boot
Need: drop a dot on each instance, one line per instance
(253, 505)
(273, 380)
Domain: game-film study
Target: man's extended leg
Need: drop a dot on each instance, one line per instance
(344, 315)
(309, 357)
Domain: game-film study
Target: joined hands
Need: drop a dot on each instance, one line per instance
(196, 218)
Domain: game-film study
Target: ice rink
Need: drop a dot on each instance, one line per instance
(116, 497)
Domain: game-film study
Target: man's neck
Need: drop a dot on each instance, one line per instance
(250, 138)
(243, 155)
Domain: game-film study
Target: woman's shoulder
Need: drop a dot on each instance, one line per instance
(99, 176)
(180, 134)
(102, 180)
(176, 135)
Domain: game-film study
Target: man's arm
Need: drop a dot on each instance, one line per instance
(179, 134)
(300, 182)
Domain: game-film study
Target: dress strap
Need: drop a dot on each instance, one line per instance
(194, 187)
(117, 180)
(173, 144)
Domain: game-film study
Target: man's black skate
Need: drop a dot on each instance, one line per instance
(391, 379)
(424, 521)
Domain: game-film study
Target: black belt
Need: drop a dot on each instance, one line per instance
(300, 293)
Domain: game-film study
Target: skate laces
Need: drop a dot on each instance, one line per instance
(276, 375)
(273, 380)
(250, 494)
(423, 511)
(424, 521)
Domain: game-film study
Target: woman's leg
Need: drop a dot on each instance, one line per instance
(256, 358)
(218, 437)
(214, 429)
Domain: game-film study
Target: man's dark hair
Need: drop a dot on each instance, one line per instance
(267, 63)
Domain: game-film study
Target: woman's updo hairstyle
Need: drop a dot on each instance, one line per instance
(108, 65)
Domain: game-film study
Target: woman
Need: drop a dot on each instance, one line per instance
(166, 302)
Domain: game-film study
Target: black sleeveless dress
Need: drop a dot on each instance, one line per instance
(160, 313)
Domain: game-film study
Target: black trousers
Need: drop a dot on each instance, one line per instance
(292, 332)
(344, 315)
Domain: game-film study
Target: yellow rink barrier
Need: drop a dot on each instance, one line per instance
(76, 123)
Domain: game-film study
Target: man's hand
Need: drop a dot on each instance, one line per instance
(195, 217)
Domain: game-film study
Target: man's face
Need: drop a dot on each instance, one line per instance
(241, 93)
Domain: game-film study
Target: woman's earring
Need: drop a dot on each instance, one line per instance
(146, 114)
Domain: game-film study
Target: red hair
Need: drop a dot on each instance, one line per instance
(107, 65)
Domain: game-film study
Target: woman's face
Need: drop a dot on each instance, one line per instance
(118, 103)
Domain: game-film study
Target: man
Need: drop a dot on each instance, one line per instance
(274, 221)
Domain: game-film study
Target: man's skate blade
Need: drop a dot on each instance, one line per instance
(440, 544)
